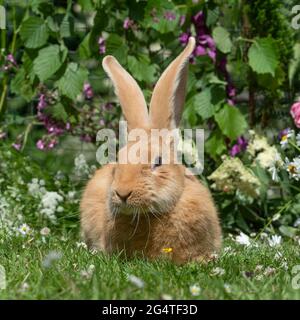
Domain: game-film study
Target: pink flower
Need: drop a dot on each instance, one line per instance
(2, 135)
(295, 113)
(40, 145)
(11, 59)
(17, 146)
(128, 23)
(102, 47)
(169, 15)
(88, 91)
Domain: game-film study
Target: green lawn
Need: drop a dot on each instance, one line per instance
(258, 272)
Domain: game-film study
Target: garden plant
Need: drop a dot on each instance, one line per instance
(243, 89)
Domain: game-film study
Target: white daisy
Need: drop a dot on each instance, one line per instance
(243, 239)
(274, 241)
(195, 290)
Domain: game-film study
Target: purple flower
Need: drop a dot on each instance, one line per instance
(212, 54)
(42, 102)
(102, 47)
(231, 92)
(283, 133)
(88, 91)
(236, 149)
(199, 19)
(128, 23)
(68, 126)
(169, 15)
(184, 38)
(200, 51)
(240, 146)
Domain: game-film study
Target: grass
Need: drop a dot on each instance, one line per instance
(247, 274)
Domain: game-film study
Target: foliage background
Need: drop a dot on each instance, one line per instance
(55, 95)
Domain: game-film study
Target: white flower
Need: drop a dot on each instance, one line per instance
(36, 187)
(195, 290)
(227, 288)
(297, 223)
(293, 168)
(154, 47)
(81, 166)
(274, 241)
(49, 204)
(24, 229)
(24, 287)
(138, 282)
(285, 138)
(45, 231)
(269, 271)
(298, 139)
(258, 268)
(50, 258)
(243, 239)
(81, 245)
(217, 271)
(166, 296)
(88, 273)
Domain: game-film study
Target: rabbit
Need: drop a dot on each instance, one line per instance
(150, 210)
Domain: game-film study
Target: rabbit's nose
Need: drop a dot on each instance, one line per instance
(123, 195)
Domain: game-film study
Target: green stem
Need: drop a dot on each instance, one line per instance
(271, 219)
(294, 145)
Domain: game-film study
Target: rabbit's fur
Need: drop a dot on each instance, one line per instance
(165, 207)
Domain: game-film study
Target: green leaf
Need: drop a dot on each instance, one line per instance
(222, 39)
(115, 46)
(263, 56)
(58, 112)
(202, 104)
(142, 70)
(215, 145)
(288, 231)
(22, 86)
(71, 83)
(34, 32)
(66, 27)
(48, 61)
(231, 121)
(84, 47)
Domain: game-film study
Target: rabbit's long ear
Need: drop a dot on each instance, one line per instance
(169, 93)
(129, 93)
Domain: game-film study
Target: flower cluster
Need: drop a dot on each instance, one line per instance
(262, 152)
(232, 176)
(205, 44)
(54, 128)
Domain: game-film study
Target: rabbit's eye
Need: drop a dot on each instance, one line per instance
(157, 162)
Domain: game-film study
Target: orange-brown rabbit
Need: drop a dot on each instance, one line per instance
(150, 209)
